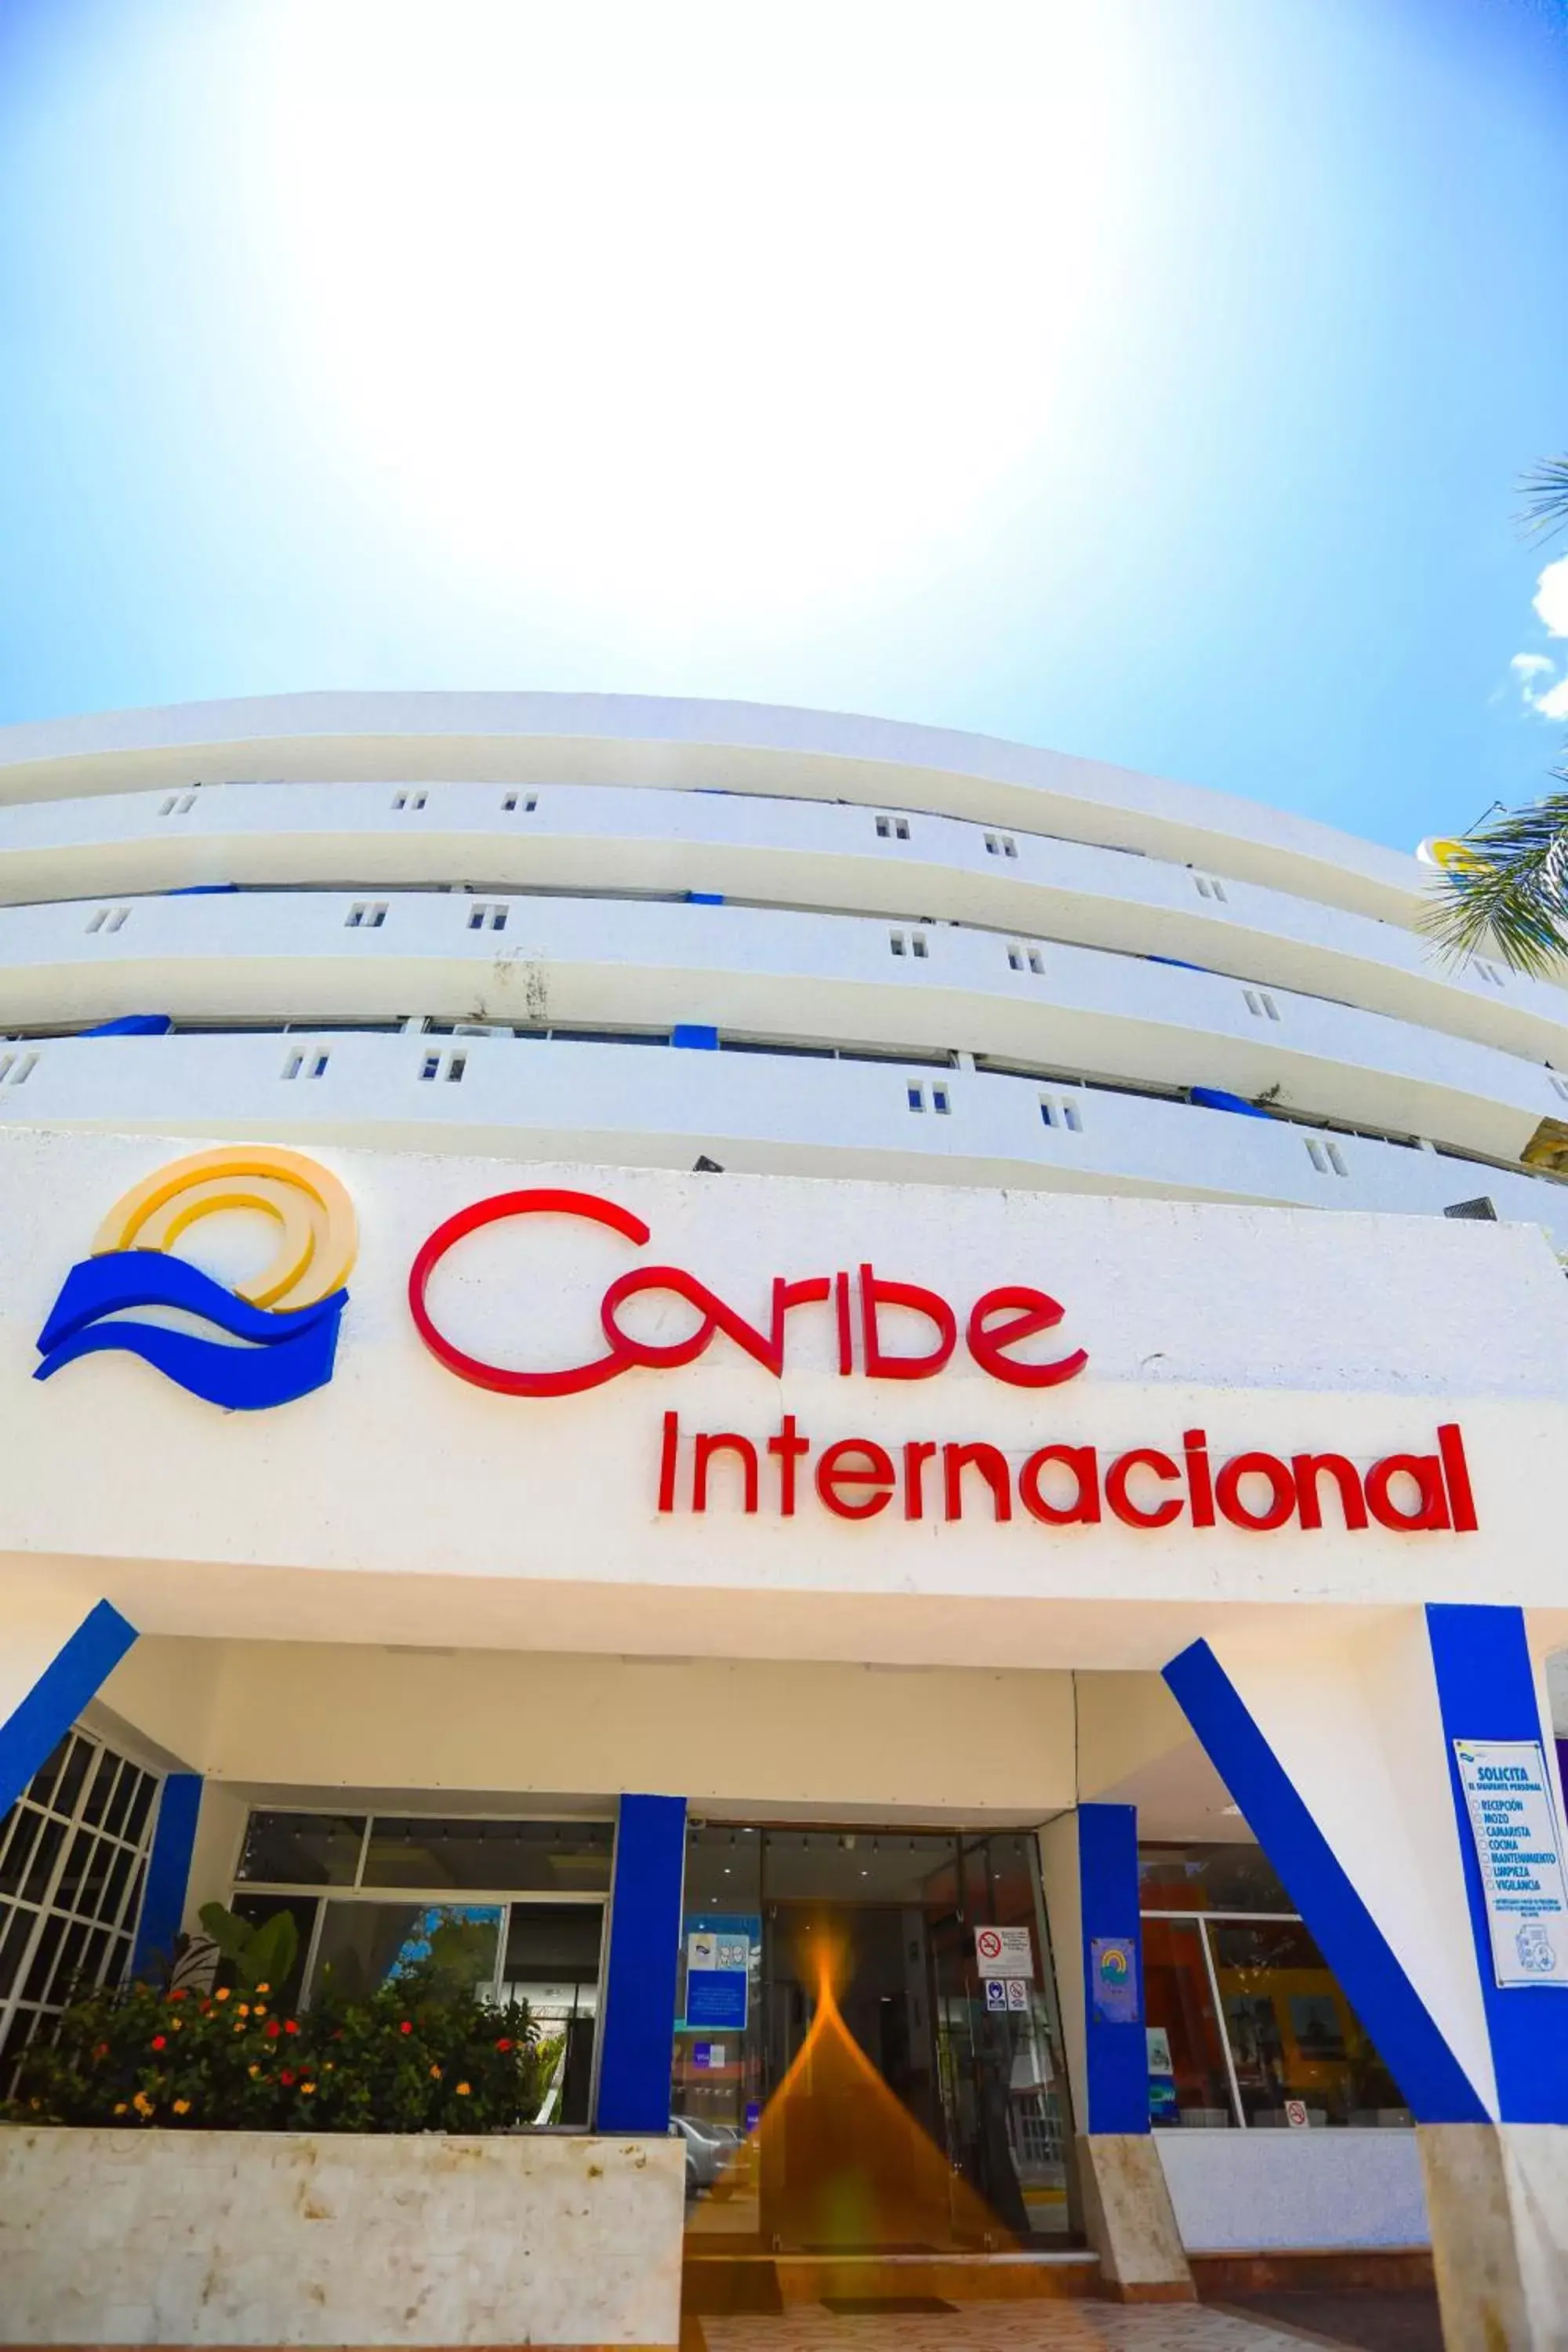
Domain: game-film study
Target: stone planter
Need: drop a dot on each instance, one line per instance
(283, 2238)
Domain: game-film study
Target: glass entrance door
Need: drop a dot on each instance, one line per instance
(847, 2073)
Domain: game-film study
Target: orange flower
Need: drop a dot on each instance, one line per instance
(120, 2110)
(463, 2089)
(306, 2089)
(435, 2073)
(182, 2106)
(243, 2008)
(264, 1987)
(222, 1994)
(254, 2072)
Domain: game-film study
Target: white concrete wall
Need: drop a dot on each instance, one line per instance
(594, 839)
(830, 979)
(739, 1736)
(1262, 2191)
(761, 1114)
(402, 1504)
(596, 738)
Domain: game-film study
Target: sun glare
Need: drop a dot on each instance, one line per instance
(664, 323)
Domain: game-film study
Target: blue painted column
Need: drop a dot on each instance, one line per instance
(637, 2033)
(1486, 1691)
(1116, 2064)
(168, 1871)
(41, 1716)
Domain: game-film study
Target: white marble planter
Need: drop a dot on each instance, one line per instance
(282, 2238)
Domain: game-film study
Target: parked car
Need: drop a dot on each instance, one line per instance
(708, 2160)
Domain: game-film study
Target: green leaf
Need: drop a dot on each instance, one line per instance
(232, 1936)
(274, 1947)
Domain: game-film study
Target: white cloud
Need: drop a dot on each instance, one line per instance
(1527, 666)
(1551, 597)
(1553, 703)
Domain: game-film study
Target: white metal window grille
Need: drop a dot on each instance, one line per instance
(73, 1854)
(16, 1069)
(1000, 845)
(306, 1065)
(911, 943)
(525, 804)
(1209, 886)
(1025, 958)
(487, 914)
(365, 915)
(1056, 1111)
(1326, 1156)
(450, 1066)
(892, 828)
(108, 919)
(1260, 1004)
(177, 804)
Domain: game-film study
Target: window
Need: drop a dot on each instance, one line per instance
(892, 828)
(409, 801)
(177, 804)
(73, 1851)
(16, 1069)
(1209, 886)
(487, 914)
(450, 1066)
(917, 1097)
(108, 919)
(366, 914)
(1000, 845)
(1260, 1004)
(1326, 1156)
(521, 1904)
(1241, 2009)
(1021, 959)
(306, 1065)
(1056, 1111)
(524, 802)
(939, 1101)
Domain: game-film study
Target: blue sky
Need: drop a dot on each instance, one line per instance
(1145, 378)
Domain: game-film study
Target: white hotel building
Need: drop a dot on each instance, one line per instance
(1010, 1372)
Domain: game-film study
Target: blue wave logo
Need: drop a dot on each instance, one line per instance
(275, 1352)
(285, 1353)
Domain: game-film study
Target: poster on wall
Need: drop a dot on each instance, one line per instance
(1513, 1821)
(718, 1971)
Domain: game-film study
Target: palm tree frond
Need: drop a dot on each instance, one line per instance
(1510, 893)
(1545, 493)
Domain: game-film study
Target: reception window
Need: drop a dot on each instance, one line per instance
(517, 1907)
(1247, 2024)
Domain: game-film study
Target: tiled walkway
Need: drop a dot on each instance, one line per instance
(1046, 2327)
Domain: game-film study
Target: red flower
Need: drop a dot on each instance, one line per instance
(405, 2027)
(178, 1994)
(273, 2028)
(290, 2027)
(286, 2075)
(503, 2043)
(159, 2043)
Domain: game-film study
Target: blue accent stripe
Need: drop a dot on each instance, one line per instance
(28, 1738)
(696, 1036)
(168, 1871)
(637, 2043)
(1116, 2053)
(1434, 2085)
(1486, 1690)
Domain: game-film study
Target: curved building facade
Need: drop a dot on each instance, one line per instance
(674, 1328)
(915, 954)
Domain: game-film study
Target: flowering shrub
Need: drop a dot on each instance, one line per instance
(418, 2054)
